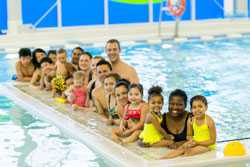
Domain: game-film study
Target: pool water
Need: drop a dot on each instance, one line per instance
(28, 141)
(218, 69)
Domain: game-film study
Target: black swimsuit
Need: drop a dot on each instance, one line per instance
(177, 137)
(92, 87)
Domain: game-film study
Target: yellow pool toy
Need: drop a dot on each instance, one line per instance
(60, 100)
(234, 148)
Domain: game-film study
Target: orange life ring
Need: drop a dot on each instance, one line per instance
(176, 11)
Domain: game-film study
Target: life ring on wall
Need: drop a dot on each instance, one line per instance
(174, 10)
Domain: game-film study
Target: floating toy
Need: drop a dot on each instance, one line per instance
(60, 100)
(234, 148)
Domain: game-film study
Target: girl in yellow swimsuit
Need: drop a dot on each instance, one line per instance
(201, 131)
(153, 134)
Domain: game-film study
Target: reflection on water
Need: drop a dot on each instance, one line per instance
(27, 141)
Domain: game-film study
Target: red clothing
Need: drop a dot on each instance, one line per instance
(80, 95)
(132, 113)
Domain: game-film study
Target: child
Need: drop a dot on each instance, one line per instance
(133, 117)
(48, 72)
(109, 85)
(24, 66)
(153, 134)
(52, 56)
(64, 71)
(64, 68)
(77, 93)
(201, 131)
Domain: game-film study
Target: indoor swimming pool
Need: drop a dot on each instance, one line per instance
(218, 69)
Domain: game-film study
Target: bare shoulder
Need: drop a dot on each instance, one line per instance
(128, 67)
(18, 63)
(210, 120)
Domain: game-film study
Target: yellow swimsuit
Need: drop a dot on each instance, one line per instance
(202, 133)
(150, 134)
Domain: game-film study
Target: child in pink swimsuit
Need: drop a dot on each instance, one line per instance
(77, 93)
(133, 118)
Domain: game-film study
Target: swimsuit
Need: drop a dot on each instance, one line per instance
(112, 111)
(80, 96)
(202, 133)
(150, 135)
(177, 137)
(133, 114)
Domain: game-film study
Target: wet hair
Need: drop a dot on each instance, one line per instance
(122, 82)
(198, 98)
(88, 54)
(180, 93)
(138, 86)
(34, 59)
(51, 52)
(114, 41)
(79, 48)
(46, 60)
(155, 91)
(104, 62)
(113, 75)
(61, 50)
(24, 52)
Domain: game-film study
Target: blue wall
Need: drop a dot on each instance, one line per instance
(248, 8)
(208, 9)
(82, 12)
(32, 10)
(127, 13)
(3, 15)
(91, 12)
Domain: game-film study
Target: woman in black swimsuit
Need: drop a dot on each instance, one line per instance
(175, 120)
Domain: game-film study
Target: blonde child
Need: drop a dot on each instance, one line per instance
(201, 131)
(133, 117)
(153, 134)
(77, 93)
(109, 86)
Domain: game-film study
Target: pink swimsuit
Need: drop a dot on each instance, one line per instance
(132, 113)
(80, 96)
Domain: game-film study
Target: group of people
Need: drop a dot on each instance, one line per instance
(112, 89)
